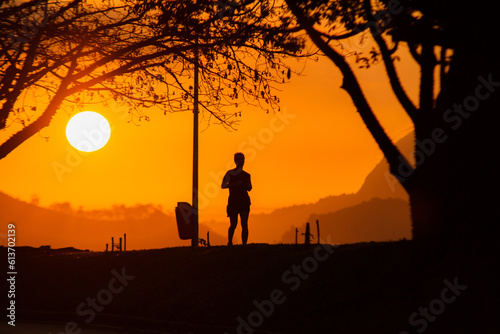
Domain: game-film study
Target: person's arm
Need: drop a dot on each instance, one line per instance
(249, 183)
(225, 181)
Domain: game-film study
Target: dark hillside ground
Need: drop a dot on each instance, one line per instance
(360, 288)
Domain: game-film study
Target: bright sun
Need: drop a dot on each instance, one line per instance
(88, 131)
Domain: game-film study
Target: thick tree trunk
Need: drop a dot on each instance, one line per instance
(454, 189)
(428, 192)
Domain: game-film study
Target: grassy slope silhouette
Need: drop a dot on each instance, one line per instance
(358, 288)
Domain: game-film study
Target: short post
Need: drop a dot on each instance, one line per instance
(208, 238)
(120, 245)
(124, 242)
(106, 247)
(296, 233)
(112, 244)
(308, 235)
(317, 228)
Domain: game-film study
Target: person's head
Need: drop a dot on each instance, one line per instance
(239, 159)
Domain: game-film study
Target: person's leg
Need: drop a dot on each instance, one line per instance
(244, 227)
(233, 219)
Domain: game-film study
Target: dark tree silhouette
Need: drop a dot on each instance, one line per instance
(453, 183)
(56, 55)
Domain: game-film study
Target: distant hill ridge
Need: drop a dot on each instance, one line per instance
(37, 226)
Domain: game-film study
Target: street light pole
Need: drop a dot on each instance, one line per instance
(194, 216)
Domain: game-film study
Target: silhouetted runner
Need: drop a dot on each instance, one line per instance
(239, 184)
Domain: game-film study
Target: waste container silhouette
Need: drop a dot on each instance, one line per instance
(183, 214)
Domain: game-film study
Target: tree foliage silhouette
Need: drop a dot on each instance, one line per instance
(56, 55)
(457, 109)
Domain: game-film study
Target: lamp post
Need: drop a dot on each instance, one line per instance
(194, 216)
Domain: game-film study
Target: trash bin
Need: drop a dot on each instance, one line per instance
(183, 214)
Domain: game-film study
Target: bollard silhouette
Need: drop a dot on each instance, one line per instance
(308, 235)
(119, 246)
(317, 228)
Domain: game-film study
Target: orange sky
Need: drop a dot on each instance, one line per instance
(317, 146)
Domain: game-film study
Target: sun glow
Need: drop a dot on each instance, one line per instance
(88, 131)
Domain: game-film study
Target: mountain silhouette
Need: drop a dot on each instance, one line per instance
(380, 183)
